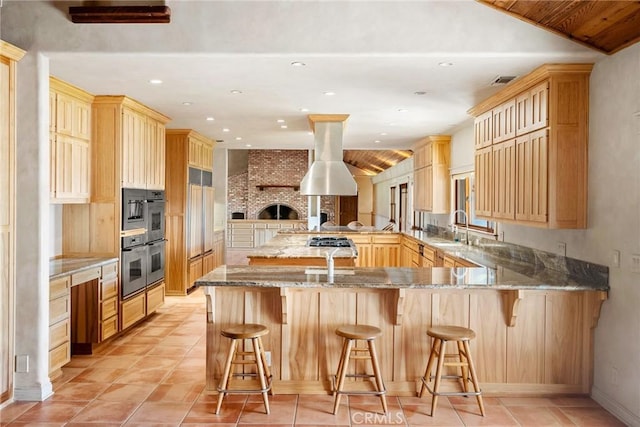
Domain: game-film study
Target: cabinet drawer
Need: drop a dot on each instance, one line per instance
(359, 238)
(86, 276)
(59, 287)
(235, 244)
(109, 308)
(59, 333)
(236, 226)
(242, 237)
(155, 298)
(390, 239)
(109, 289)
(109, 270)
(133, 310)
(59, 356)
(429, 253)
(59, 309)
(108, 328)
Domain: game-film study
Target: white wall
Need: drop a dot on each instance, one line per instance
(402, 173)
(55, 230)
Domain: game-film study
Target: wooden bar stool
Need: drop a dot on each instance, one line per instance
(256, 357)
(351, 333)
(442, 334)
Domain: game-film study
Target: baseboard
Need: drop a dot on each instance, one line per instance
(619, 411)
(32, 394)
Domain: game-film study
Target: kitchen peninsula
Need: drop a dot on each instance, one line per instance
(535, 330)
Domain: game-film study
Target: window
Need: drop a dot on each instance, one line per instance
(392, 205)
(464, 201)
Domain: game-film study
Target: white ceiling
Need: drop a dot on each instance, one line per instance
(374, 55)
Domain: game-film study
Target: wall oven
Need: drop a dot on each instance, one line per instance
(134, 208)
(134, 269)
(155, 215)
(155, 257)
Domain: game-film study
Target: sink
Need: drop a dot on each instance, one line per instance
(336, 272)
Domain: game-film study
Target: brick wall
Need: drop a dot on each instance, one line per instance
(272, 167)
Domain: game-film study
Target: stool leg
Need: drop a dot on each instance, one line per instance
(427, 372)
(224, 382)
(474, 378)
(263, 384)
(267, 370)
(376, 373)
(342, 368)
(464, 363)
(436, 385)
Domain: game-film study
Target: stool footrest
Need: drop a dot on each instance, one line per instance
(369, 392)
(245, 391)
(450, 393)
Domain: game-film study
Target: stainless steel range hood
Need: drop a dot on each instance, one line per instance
(328, 174)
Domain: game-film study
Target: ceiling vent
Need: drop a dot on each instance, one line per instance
(502, 80)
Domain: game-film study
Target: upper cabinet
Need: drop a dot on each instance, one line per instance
(531, 143)
(431, 174)
(200, 151)
(70, 142)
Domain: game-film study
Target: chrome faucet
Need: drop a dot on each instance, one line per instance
(466, 224)
(330, 264)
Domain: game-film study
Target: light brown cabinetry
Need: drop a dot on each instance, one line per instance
(193, 246)
(455, 262)
(431, 174)
(70, 141)
(9, 55)
(386, 250)
(537, 176)
(59, 324)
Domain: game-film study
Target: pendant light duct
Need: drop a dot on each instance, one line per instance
(328, 175)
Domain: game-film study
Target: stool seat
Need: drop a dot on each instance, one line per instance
(358, 332)
(451, 333)
(350, 335)
(245, 331)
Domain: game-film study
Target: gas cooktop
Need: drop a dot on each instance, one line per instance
(330, 242)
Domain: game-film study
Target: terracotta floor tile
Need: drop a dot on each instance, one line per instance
(373, 415)
(179, 341)
(176, 393)
(591, 416)
(494, 416)
(50, 411)
(124, 362)
(106, 412)
(208, 424)
(204, 412)
(317, 410)
(79, 391)
(67, 375)
(95, 375)
(93, 425)
(574, 401)
(167, 362)
(80, 362)
(471, 400)
(526, 401)
(130, 350)
(142, 376)
(36, 424)
(280, 413)
(134, 393)
(538, 416)
(159, 331)
(168, 351)
(186, 376)
(160, 413)
(14, 410)
(421, 416)
(192, 362)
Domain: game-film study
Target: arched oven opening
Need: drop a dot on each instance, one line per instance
(278, 211)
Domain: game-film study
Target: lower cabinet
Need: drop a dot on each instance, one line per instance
(59, 324)
(195, 271)
(133, 309)
(454, 262)
(155, 297)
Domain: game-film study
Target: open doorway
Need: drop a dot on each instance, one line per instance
(348, 209)
(403, 206)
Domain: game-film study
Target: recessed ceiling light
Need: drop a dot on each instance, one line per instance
(402, 110)
(283, 126)
(329, 93)
(238, 138)
(247, 145)
(225, 129)
(309, 133)
(236, 91)
(187, 103)
(377, 141)
(420, 92)
(304, 110)
(383, 134)
(210, 119)
(445, 64)
(298, 64)
(155, 81)
(391, 124)
(280, 120)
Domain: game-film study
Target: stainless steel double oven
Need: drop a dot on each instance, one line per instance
(143, 244)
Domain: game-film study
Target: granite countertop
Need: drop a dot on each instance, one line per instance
(67, 266)
(292, 245)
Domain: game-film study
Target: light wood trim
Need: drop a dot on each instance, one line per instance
(283, 303)
(318, 118)
(68, 89)
(10, 51)
(597, 299)
(86, 276)
(131, 103)
(526, 82)
(400, 306)
(511, 304)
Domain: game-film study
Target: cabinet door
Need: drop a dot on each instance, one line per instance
(504, 121)
(539, 106)
(532, 157)
(386, 255)
(81, 120)
(195, 221)
(64, 114)
(504, 180)
(71, 169)
(428, 188)
(53, 159)
(195, 153)
(206, 161)
(133, 149)
(155, 162)
(365, 258)
(419, 189)
(483, 130)
(483, 182)
(207, 216)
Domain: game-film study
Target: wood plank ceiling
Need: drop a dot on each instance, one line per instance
(375, 161)
(607, 26)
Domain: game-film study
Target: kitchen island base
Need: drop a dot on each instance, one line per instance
(529, 342)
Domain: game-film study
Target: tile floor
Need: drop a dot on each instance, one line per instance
(154, 376)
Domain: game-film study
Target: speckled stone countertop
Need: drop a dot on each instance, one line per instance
(293, 245)
(502, 266)
(67, 266)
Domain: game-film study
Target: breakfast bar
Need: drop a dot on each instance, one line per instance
(534, 334)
